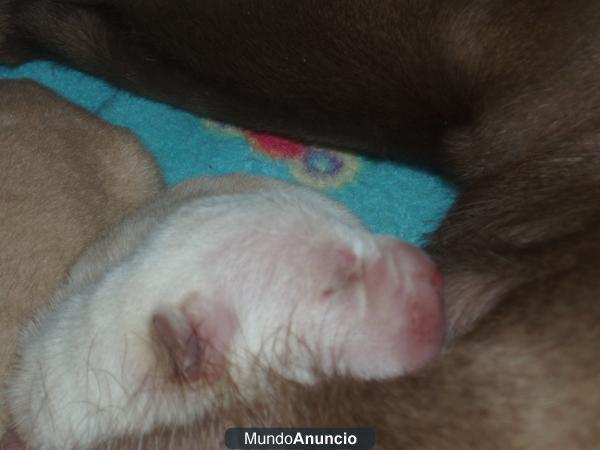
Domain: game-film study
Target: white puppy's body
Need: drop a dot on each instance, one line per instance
(215, 281)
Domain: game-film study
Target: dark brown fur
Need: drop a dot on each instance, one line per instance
(66, 177)
(502, 95)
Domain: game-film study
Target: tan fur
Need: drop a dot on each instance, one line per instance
(66, 177)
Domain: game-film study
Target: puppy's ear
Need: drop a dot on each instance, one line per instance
(195, 337)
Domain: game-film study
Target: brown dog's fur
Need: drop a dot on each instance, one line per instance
(66, 177)
(501, 95)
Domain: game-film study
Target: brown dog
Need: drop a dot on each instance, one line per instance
(66, 177)
(501, 95)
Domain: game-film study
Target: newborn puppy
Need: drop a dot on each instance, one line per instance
(192, 301)
(66, 177)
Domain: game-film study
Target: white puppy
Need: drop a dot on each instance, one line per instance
(216, 281)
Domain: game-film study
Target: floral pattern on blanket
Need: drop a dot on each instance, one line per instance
(317, 167)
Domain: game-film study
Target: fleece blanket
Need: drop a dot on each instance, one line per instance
(390, 198)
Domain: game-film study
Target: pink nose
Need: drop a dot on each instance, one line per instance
(417, 288)
(424, 334)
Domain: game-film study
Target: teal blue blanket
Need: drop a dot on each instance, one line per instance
(390, 198)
